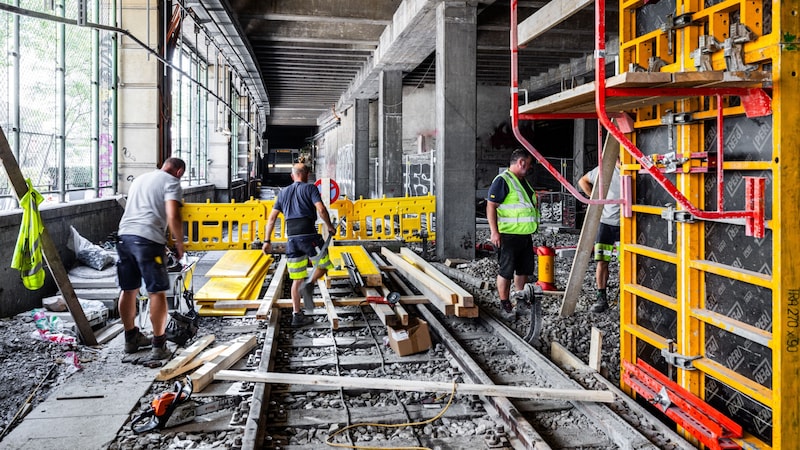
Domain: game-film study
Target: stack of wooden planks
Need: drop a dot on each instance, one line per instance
(204, 361)
(441, 291)
(237, 277)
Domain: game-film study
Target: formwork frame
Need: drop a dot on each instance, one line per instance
(763, 398)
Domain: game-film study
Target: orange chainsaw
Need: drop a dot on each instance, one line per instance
(173, 408)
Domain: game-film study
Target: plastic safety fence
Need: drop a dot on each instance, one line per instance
(407, 218)
(226, 226)
(222, 226)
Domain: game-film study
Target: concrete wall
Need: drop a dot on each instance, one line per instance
(94, 219)
(494, 139)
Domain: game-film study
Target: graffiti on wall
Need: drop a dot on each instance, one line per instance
(418, 174)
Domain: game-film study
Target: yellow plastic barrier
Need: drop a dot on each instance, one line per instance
(227, 226)
(404, 218)
(222, 226)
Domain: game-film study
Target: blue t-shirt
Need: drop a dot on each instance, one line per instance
(296, 202)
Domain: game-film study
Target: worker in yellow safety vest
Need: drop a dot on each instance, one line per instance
(513, 218)
(28, 252)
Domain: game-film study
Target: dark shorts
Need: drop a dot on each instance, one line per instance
(607, 236)
(140, 258)
(299, 249)
(515, 255)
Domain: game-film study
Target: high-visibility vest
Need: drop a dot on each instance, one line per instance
(28, 252)
(517, 214)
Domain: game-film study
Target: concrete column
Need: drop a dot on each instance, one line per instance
(138, 94)
(578, 150)
(361, 150)
(390, 134)
(456, 95)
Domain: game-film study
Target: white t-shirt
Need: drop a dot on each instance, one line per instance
(146, 211)
(610, 214)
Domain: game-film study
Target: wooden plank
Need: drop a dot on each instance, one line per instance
(463, 277)
(274, 290)
(238, 264)
(355, 301)
(238, 304)
(333, 317)
(187, 354)
(591, 223)
(110, 332)
(547, 17)
(467, 311)
(463, 298)
(453, 262)
(417, 386)
(596, 349)
(235, 351)
(401, 313)
(438, 295)
(201, 359)
(49, 250)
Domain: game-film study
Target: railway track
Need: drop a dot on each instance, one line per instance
(303, 412)
(480, 351)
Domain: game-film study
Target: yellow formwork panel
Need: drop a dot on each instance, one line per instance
(365, 265)
(238, 263)
(396, 218)
(729, 299)
(235, 288)
(222, 226)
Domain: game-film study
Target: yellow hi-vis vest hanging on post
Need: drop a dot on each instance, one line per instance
(517, 214)
(28, 252)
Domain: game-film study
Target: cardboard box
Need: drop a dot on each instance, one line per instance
(410, 339)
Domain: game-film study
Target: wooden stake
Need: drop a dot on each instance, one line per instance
(596, 349)
(49, 249)
(238, 348)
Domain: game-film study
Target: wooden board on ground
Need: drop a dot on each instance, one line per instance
(418, 386)
(326, 300)
(187, 354)
(463, 298)
(109, 332)
(238, 304)
(235, 351)
(198, 361)
(274, 290)
(438, 295)
(238, 264)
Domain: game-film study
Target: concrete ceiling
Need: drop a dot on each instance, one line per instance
(315, 55)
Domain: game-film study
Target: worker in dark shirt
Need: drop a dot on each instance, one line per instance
(513, 218)
(300, 204)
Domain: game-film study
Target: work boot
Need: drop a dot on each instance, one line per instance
(601, 303)
(299, 319)
(508, 308)
(159, 353)
(135, 342)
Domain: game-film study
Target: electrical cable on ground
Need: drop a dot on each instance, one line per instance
(392, 425)
(384, 425)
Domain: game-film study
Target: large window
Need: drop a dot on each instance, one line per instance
(190, 115)
(57, 101)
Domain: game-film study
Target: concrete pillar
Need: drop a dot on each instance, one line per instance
(361, 150)
(390, 134)
(578, 150)
(456, 95)
(138, 94)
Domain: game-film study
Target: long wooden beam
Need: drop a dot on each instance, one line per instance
(274, 290)
(437, 294)
(463, 297)
(547, 17)
(49, 249)
(417, 386)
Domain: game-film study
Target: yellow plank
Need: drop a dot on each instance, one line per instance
(209, 311)
(238, 263)
(223, 289)
(366, 267)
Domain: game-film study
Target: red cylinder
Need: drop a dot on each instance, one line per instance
(546, 256)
